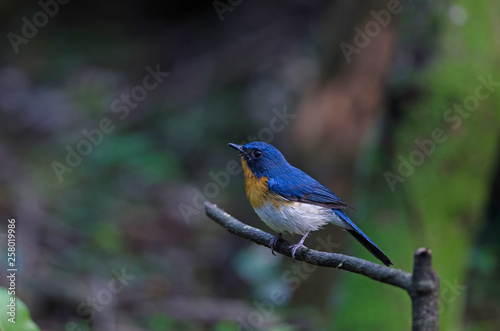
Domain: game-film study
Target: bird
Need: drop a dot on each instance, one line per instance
(288, 200)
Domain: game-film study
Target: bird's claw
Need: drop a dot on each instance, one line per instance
(294, 249)
(274, 242)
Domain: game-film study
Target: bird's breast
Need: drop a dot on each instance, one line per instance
(257, 189)
(295, 217)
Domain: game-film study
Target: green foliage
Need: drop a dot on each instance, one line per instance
(226, 326)
(158, 322)
(23, 320)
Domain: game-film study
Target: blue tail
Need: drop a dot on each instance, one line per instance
(363, 238)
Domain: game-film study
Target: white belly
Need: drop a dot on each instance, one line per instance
(297, 217)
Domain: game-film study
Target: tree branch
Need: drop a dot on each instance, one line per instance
(369, 269)
(424, 292)
(422, 286)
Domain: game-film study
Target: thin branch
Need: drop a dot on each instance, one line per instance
(369, 269)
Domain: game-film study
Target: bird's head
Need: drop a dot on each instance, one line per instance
(261, 158)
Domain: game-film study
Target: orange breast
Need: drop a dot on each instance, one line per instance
(256, 188)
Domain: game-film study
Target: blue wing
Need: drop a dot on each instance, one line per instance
(296, 185)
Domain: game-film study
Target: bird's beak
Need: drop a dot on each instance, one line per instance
(241, 149)
(237, 147)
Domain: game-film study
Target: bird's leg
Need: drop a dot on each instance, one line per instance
(299, 244)
(274, 242)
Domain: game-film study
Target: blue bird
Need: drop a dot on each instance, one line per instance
(288, 200)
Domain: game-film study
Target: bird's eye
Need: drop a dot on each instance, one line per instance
(257, 154)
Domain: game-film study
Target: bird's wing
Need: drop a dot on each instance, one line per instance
(300, 187)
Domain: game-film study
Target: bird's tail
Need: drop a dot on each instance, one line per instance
(363, 238)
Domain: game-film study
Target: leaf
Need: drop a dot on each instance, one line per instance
(22, 319)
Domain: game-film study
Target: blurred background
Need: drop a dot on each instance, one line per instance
(115, 120)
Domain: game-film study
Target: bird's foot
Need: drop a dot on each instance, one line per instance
(298, 245)
(274, 242)
(294, 249)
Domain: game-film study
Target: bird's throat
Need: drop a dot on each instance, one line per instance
(256, 188)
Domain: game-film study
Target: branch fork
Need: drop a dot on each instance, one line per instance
(422, 285)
